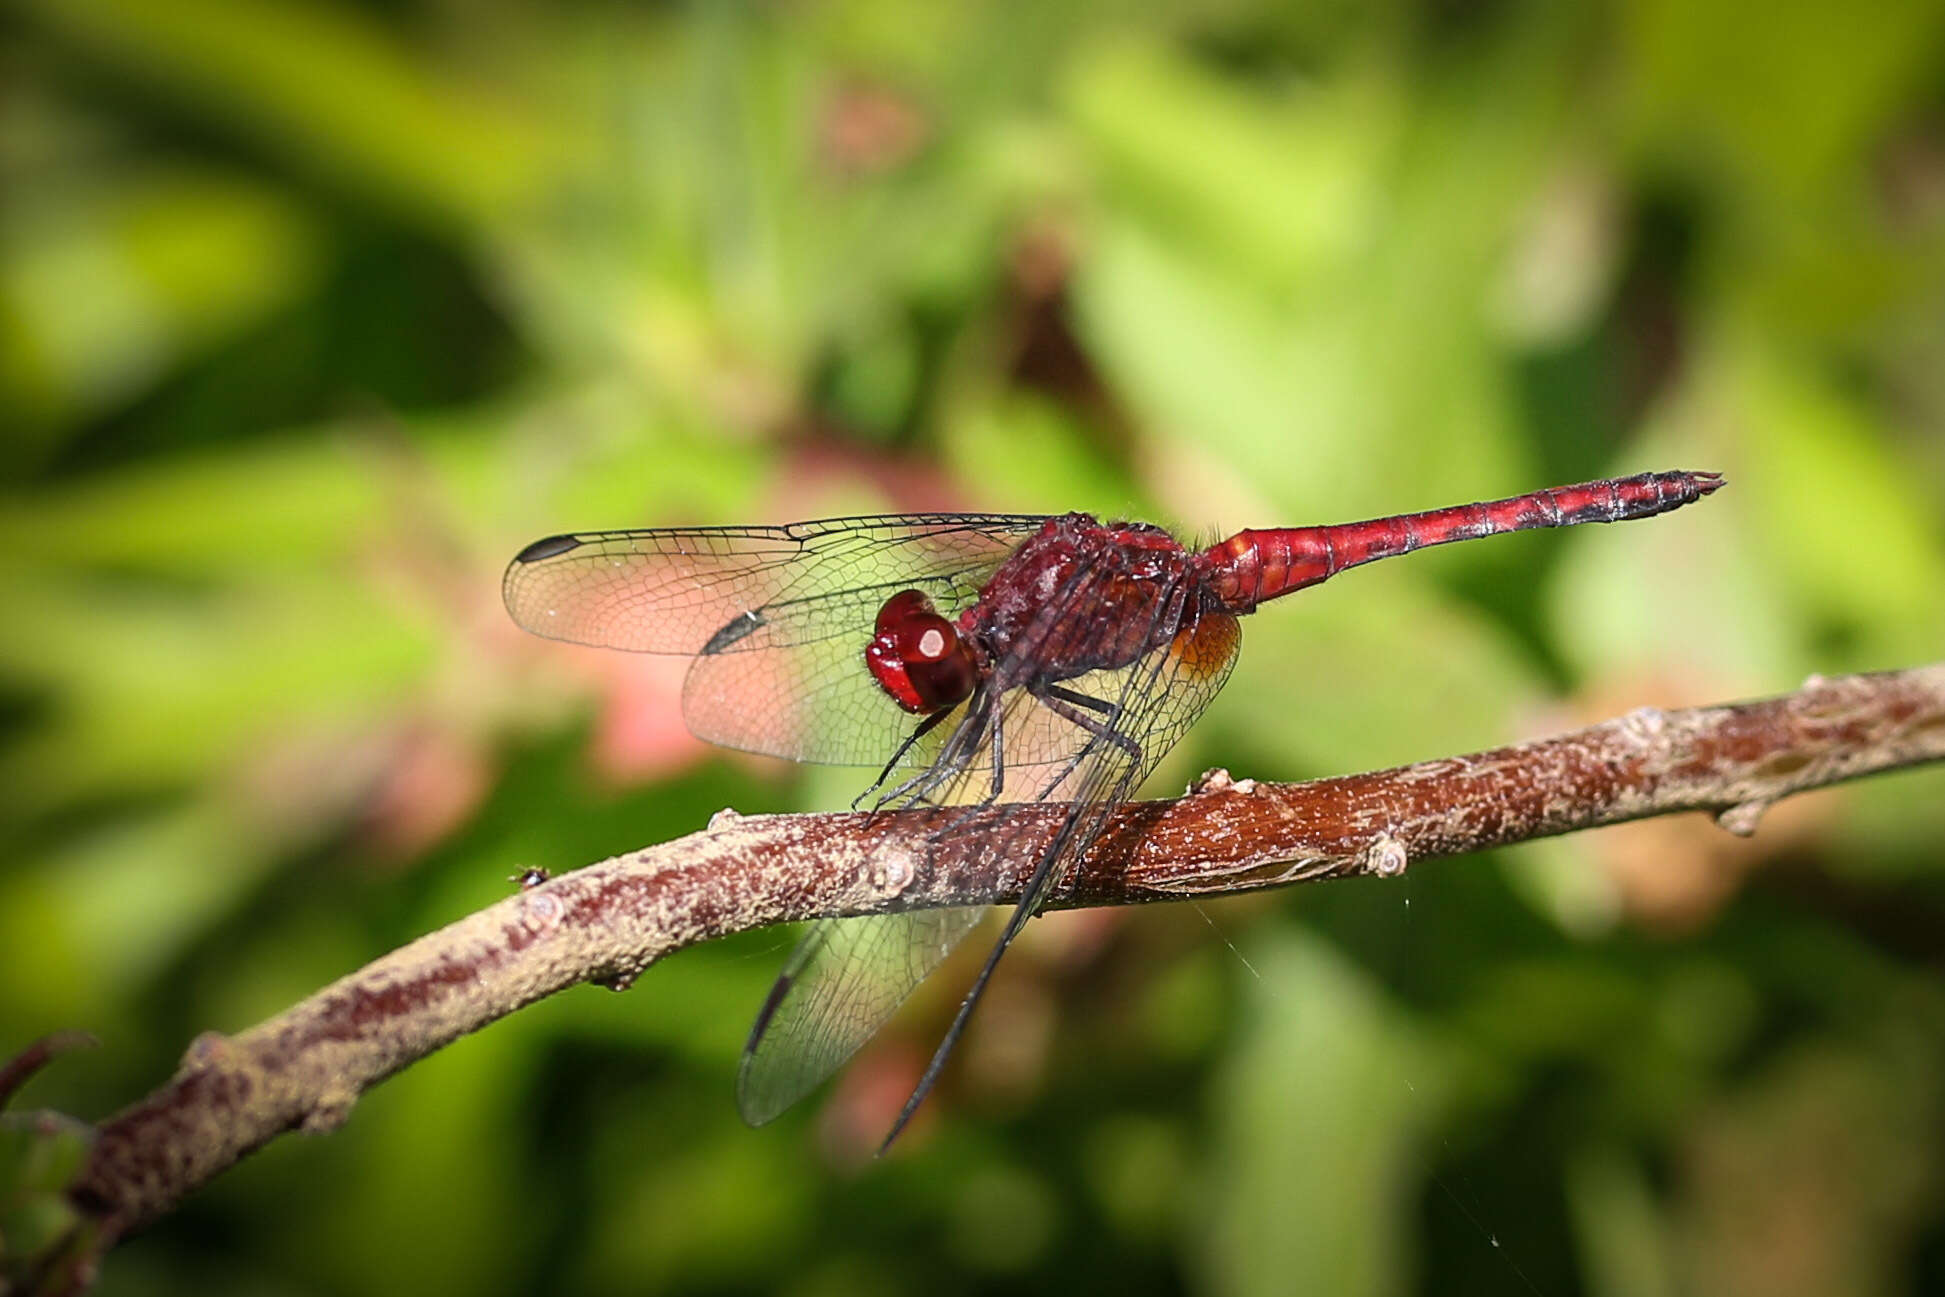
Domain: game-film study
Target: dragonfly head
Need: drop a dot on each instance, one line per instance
(918, 657)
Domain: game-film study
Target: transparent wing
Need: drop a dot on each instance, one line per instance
(677, 589)
(845, 978)
(813, 699)
(848, 976)
(777, 617)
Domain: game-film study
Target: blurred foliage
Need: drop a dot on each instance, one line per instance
(311, 313)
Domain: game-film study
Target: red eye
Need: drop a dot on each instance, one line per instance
(917, 656)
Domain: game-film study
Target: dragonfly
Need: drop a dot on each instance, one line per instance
(983, 660)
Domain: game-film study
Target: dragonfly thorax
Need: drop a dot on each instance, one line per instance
(918, 657)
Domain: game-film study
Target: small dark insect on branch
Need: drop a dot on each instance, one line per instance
(306, 1068)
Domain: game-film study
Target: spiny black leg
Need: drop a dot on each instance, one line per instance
(996, 744)
(998, 748)
(923, 728)
(953, 759)
(913, 790)
(1058, 700)
(1077, 698)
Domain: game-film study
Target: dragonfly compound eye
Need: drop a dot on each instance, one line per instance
(917, 657)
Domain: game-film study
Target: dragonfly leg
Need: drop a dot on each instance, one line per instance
(910, 793)
(1065, 703)
(994, 740)
(953, 759)
(998, 749)
(919, 731)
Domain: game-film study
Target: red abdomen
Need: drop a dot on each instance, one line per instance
(1252, 566)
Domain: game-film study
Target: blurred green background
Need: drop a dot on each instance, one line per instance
(312, 313)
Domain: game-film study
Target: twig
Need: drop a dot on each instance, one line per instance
(16, 1071)
(305, 1068)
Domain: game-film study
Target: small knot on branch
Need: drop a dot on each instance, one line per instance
(1385, 856)
(332, 1110)
(541, 911)
(209, 1051)
(1644, 723)
(1217, 779)
(1742, 818)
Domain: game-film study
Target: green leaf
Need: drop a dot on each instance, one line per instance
(108, 284)
(324, 87)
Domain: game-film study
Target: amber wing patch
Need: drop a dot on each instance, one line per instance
(1207, 648)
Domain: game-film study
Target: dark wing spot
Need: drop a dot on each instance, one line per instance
(771, 1003)
(547, 547)
(739, 627)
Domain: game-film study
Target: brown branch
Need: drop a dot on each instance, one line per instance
(305, 1068)
(19, 1069)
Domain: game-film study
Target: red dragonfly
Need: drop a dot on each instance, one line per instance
(970, 658)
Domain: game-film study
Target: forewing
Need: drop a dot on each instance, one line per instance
(675, 589)
(778, 617)
(843, 981)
